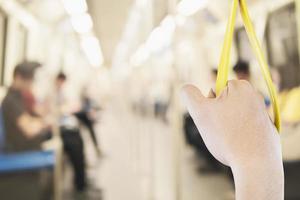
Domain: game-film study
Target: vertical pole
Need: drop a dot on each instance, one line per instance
(58, 151)
(152, 161)
(177, 140)
(152, 181)
(176, 115)
(58, 164)
(176, 125)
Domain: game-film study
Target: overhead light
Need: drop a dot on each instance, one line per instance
(190, 7)
(162, 35)
(140, 56)
(92, 49)
(18, 12)
(168, 23)
(82, 23)
(160, 38)
(75, 7)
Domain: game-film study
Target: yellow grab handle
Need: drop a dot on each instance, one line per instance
(223, 69)
(222, 78)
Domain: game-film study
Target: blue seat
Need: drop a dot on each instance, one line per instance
(28, 161)
(25, 161)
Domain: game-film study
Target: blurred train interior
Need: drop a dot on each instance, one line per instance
(90, 95)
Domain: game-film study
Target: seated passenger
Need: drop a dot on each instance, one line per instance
(23, 130)
(26, 129)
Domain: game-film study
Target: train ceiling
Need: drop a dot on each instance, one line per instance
(110, 16)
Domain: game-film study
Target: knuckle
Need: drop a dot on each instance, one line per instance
(243, 84)
(241, 87)
(246, 85)
(232, 83)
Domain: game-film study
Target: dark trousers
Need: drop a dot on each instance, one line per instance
(73, 147)
(292, 180)
(194, 139)
(84, 119)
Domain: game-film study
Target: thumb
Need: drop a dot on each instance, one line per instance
(193, 99)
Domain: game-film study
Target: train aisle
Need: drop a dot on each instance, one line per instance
(132, 146)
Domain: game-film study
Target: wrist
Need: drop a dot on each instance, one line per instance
(262, 179)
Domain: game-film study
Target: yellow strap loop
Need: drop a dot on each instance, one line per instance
(223, 69)
(222, 78)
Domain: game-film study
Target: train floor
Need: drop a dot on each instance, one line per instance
(138, 163)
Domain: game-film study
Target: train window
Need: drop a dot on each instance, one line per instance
(16, 42)
(282, 44)
(23, 37)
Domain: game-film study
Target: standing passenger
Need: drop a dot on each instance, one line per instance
(242, 70)
(70, 133)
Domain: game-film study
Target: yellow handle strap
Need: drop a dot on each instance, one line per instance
(222, 78)
(223, 69)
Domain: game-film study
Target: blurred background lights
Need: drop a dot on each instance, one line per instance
(82, 23)
(74, 7)
(190, 7)
(162, 35)
(91, 47)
